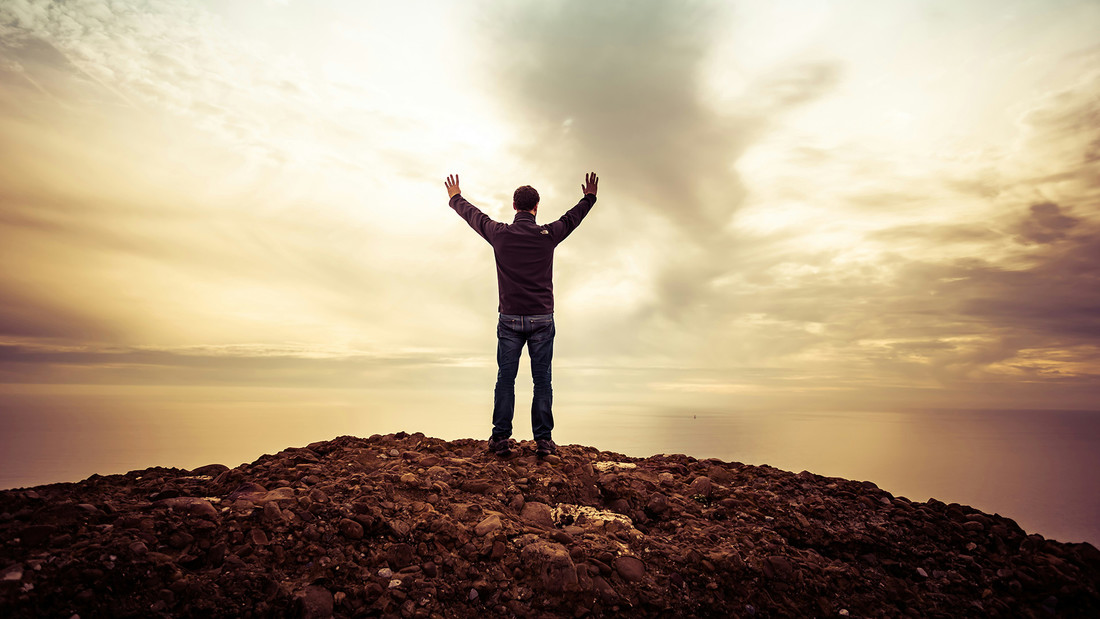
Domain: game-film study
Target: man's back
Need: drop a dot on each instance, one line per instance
(524, 253)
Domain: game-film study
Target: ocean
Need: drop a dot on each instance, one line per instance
(1037, 467)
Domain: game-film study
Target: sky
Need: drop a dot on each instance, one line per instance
(802, 203)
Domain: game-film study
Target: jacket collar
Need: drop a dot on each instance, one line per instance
(523, 216)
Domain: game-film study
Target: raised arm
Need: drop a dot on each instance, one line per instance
(572, 218)
(480, 222)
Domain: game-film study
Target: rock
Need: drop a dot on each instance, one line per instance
(258, 537)
(350, 528)
(248, 491)
(272, 513)
(666, 479)
(438, 473)
(632, 569)
(551, 563)
(190, 505)
(701, 485)
(537, 513)
(12, 573)
(658, 503)
(778, 567)
(317, 603)
(401, 555)
(922, 573)
(213, 470)
(562, 537)
(488, 525)
(477, 486)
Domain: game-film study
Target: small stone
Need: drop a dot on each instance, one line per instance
(488, 525)
(843, 612)
(410, 479)
(553, 564)
(666, 479)
(283, 496)
(401, 555)
(213, 470)
(350, 528)
(317, 603)
(658, 503)
(922, 573)
(272, 513)
(778, 567)
(438, 473)
(632, 569)
(139, 549)
(258, 537)
(562, 537)
(537, 513)
(472, 595)
(385, 572)
(12, 573)
(194, 506)
(701, 485)
(395, 583)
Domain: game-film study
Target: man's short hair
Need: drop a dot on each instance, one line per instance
(525, 198)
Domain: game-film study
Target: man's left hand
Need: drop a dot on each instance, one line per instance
(452, 186)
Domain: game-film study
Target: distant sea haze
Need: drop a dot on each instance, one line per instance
(1036, 467)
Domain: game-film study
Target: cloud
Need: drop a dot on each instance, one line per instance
(619, 88)
(1046, 223)
(170, 55)
(229, 365)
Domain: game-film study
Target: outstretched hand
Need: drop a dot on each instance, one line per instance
(590, 182)
(452, 186)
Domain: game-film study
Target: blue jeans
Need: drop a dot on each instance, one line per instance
(512, 333)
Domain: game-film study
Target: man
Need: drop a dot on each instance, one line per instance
(524, 254)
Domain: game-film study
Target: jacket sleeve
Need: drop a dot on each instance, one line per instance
(571, 219)
(480, 222)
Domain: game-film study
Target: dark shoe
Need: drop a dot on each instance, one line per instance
(545, 447)
(501, 446)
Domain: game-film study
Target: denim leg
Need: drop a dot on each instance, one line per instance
(540, 346)
(509, 347)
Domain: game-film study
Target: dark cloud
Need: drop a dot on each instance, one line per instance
(1046, 223)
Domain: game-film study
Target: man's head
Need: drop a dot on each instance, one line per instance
(525, 199)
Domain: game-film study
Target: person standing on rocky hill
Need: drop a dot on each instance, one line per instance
(524, 254)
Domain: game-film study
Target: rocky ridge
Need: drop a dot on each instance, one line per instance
(412, 526)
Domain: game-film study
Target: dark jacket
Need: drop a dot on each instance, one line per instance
(524, 253)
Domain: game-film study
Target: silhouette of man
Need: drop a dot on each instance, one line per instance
(524, 254)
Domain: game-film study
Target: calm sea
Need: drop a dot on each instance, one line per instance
(1036, 467)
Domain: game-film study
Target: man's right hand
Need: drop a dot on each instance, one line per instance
(452, 186)
(589, 186)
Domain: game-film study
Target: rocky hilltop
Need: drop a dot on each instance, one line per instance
(412, 526)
